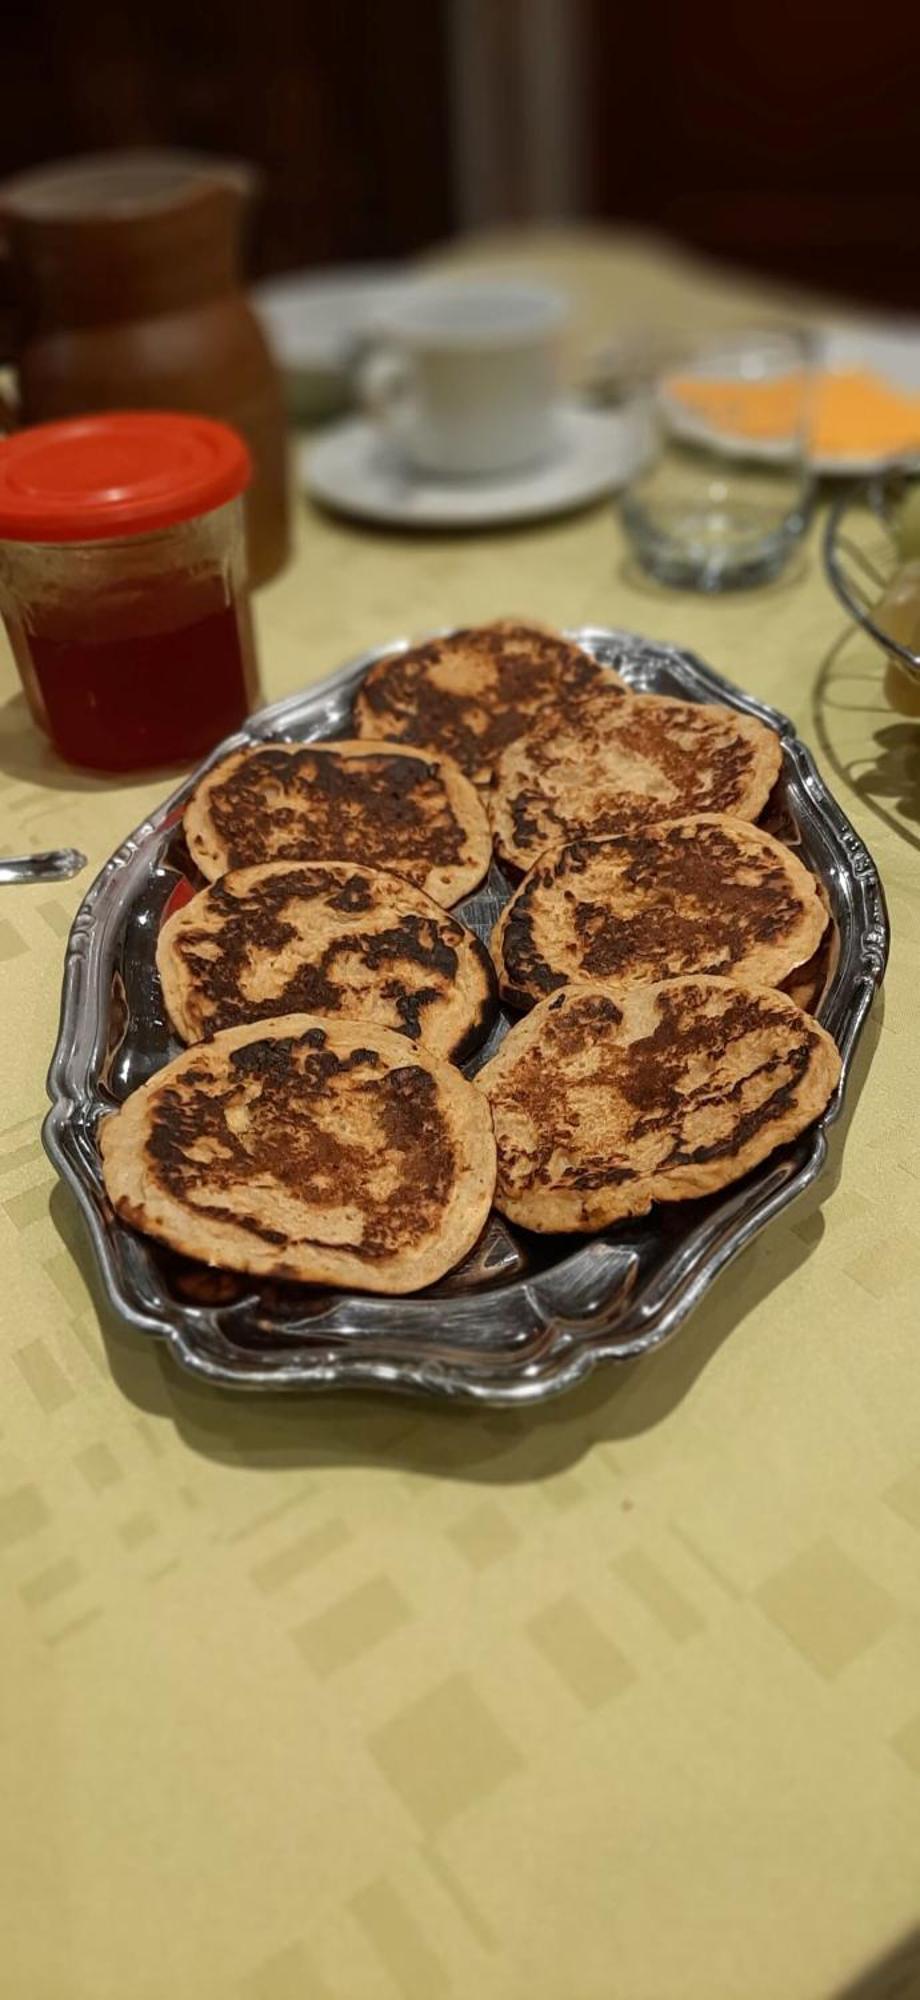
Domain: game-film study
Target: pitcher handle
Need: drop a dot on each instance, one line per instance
(9, 340)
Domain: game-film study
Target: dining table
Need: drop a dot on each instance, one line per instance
(355, 1697)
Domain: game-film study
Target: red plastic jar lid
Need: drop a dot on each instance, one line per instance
(127, 472)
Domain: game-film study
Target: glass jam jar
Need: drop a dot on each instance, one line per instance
(123, 585)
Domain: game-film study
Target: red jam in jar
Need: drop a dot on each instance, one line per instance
(123, 588)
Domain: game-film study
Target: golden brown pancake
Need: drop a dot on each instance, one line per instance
(624, 764)
(325, 937)
(383, 806)
(475, 691)
(704, 894)
(806, 985)
(325, 1151)
(606, 1099)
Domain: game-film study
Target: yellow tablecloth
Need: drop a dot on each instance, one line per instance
(347, 1700)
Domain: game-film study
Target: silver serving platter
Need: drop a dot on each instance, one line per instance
(524, 1317)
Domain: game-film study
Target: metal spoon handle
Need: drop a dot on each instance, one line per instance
(56, 866)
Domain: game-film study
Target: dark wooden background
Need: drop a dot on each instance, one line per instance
(783, 137)
(342, 103)
(787, 139)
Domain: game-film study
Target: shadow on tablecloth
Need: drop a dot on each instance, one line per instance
(894, 1977)
(27, 757)
(871, 749)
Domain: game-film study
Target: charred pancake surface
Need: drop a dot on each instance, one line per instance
(703, 894)
(473, 692)
(626, 764)
(375, 803)
(310, 1149)
(325, 938)
(606, 1099)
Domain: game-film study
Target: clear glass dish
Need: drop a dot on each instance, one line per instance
(726, 487)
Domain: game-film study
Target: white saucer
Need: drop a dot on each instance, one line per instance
(354, 469)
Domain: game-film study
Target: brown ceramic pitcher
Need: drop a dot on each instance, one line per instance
(124, 274)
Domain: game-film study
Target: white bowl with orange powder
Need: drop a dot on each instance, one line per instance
(864, 405)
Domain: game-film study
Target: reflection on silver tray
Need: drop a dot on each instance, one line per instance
(524, 1317)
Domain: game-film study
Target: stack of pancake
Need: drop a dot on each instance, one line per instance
(318, 1127)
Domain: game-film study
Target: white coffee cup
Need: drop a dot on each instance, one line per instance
(463, 377)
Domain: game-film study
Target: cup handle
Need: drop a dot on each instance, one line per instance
(385, 384)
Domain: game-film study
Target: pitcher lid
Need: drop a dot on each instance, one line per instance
(127, 472)
(92, 187)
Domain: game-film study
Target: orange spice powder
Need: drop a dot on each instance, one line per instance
(853, 413)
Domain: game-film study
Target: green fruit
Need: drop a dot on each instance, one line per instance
(908, 524)
(897, 613)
